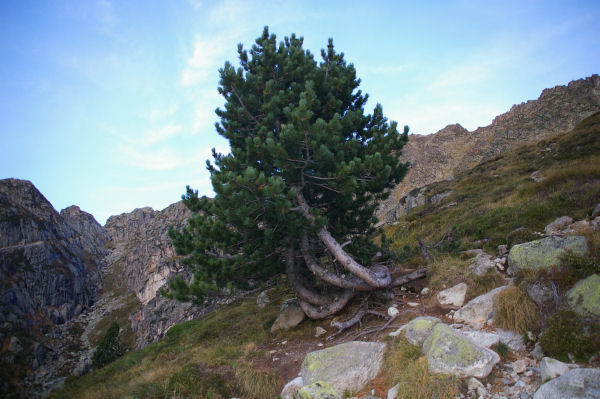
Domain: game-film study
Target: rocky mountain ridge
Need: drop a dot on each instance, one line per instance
(454, 149)
(65, 276)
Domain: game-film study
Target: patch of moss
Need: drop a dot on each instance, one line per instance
(568, 334)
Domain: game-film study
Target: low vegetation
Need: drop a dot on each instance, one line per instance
(405, 365)
(515, 311)
(223, 354)
(217, 356)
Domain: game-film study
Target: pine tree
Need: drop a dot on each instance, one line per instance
(306, 172)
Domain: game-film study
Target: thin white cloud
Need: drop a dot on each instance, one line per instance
(161, 113)
(154, 160)
(161, 134)
(207, 55)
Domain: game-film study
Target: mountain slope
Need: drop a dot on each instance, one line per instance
(453, 149)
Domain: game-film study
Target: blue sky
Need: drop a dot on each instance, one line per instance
(110, 104)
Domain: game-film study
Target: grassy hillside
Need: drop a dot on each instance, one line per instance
(231, 352)
(499, 202)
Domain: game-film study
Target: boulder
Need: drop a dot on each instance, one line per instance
(291, 388)
(289, 316)
(512, 339)
(552, 368)
(450, 352)
(347, 367)
(542, 293)
(584, 297)
(418, 329)
(576, 384)
(481, 263)
(544, 253)
(478, 310)
(454, 296)
(318, 390)
(558, 225)
(482, 338)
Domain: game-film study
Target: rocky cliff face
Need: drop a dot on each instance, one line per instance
(64, 277)
(49, 271)
(453, 149)
(49, 274)
(147, 257)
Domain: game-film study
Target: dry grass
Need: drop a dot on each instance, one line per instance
(256, 384)
(446, 272)
(405, 365)
(515, 311)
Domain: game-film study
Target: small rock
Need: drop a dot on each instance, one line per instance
(289, 317)
(454, 296)
(552, 368)
(479, 310)
(393, 392)
(557, 225)
(425, 291)
(320, 331)
(393, 312)
(473, 384)
(596, 211)
(502, 250)
(537, 353)
(519, 366)
(262, 300)
(412, 304)
(512, 339)
(15, 345)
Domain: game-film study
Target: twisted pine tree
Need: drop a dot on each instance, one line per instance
(299, 189)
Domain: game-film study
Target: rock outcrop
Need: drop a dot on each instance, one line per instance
(544, 253)
(147, 258)
(454, 149)
(49, 271)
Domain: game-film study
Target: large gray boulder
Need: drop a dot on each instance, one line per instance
(478, 310)
(450, 352)
(544, 253)
(584, 297)
(347, 367)
(576, 384)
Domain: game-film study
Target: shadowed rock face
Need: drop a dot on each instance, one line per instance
(454, 149)
(48, 271)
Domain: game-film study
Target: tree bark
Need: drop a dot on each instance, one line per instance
(295, 280)
(342, 256)
(322, 312)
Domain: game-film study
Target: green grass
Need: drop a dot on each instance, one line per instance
(212, 357)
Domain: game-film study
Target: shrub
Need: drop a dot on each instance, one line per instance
(568, 334)
(109, 349)
(515, 311)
